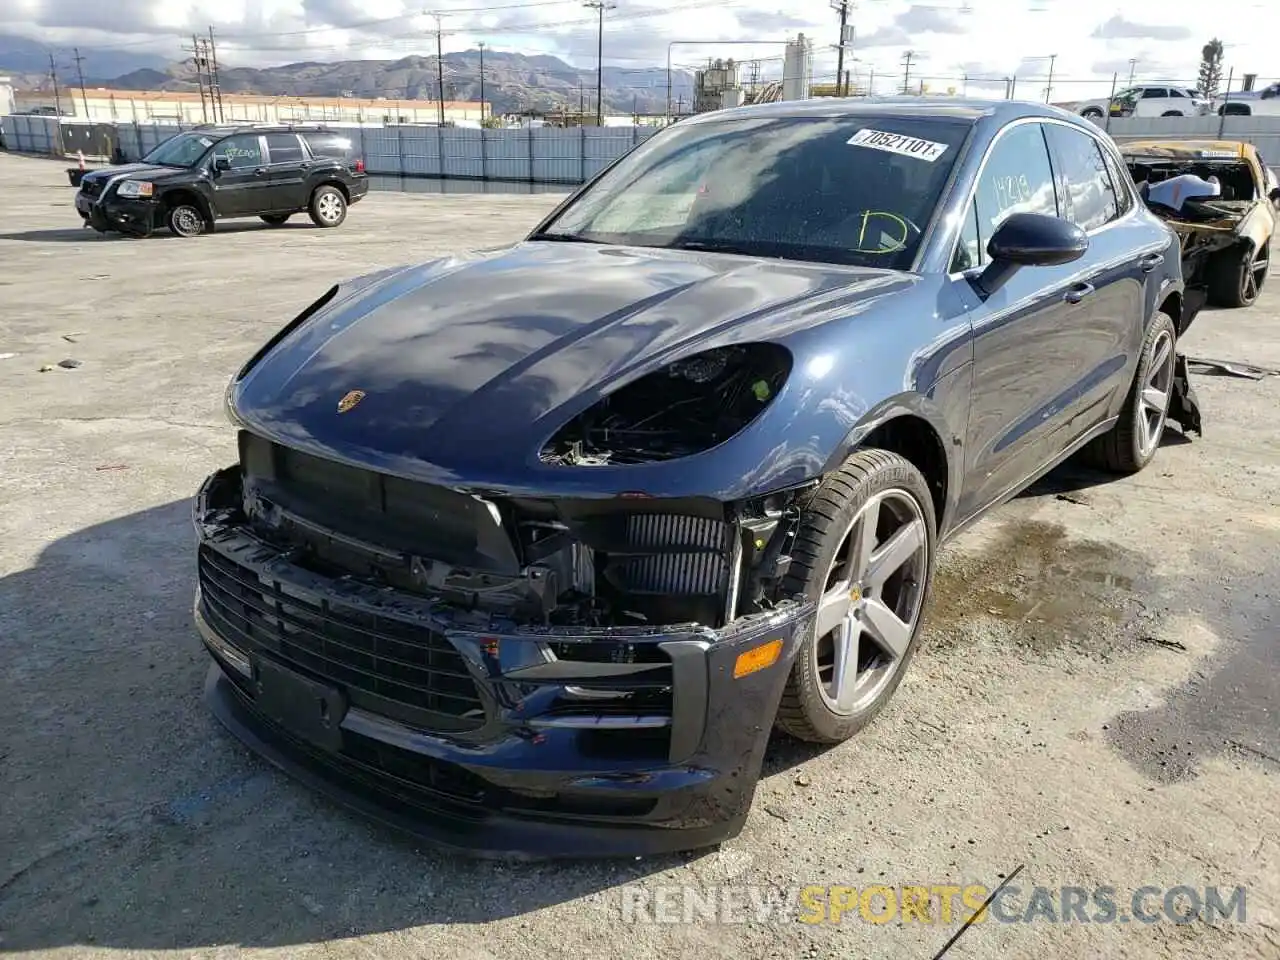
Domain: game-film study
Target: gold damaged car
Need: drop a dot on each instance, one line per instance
(1226, 238)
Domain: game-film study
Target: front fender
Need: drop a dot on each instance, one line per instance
(944, 409)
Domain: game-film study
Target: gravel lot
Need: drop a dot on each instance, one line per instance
(1095, 699)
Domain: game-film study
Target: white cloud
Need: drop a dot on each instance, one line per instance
(988, 39)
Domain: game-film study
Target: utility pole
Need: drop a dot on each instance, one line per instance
(482, 83)
(53, 75)
(600, 6)
(84, 97)
(215, 88)
(1133, 65)
(906, 70)
(440, 68)
(1048, 89)
(197, 59)
(842, 87)
(582, 103)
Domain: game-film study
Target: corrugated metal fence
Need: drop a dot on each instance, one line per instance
(533, 154)
(537, 154)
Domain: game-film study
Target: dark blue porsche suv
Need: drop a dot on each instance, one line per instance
(528, 551)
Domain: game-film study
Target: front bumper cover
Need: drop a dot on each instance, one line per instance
(123, 215)
(525, 781)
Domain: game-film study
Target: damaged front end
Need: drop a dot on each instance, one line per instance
(572, 664)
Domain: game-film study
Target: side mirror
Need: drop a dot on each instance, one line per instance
(221, 163)
(1029, 240)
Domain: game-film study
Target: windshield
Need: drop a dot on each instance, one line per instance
(180, 151)
(855, 190)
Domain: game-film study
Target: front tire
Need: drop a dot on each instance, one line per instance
(1132, 443)
(185, 220)
(1091, 113)
(864, 553)
(1236, 277)
(328, 207)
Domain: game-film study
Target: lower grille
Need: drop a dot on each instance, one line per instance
(391, 667)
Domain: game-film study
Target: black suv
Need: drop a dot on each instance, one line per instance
(208, 174)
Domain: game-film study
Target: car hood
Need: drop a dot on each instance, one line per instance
(136, 171)
(469, 364)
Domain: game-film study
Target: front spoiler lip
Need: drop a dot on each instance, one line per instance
(496, 836)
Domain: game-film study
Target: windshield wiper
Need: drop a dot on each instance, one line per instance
(716, 246)
(563, 237)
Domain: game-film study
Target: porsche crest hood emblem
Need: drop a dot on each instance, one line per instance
(349, 400)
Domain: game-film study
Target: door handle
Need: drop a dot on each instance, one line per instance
(1151, 261)
(260, 172)
(1078, 292)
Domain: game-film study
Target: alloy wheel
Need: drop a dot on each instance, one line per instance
(1254, 277)
(1154, 405)
(871, 601)
(329, 206)
(187, 221)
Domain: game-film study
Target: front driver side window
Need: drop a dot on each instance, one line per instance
(242, 151)
(1017, 178)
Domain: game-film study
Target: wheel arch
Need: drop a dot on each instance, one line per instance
(179, 195)
(912, 426)
(333, 182)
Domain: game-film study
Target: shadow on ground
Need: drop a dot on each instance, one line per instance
(88, 235)
(131, 820)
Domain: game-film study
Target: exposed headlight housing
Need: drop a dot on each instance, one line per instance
(684, 408)
(136, 188)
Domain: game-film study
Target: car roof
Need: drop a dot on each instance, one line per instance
(925, 108)
(227, 130)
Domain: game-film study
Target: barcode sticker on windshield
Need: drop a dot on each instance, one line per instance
(898, 143)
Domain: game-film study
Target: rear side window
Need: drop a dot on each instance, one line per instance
(1016, 179)
(1090, 195)
(330, 145)
(284, 148)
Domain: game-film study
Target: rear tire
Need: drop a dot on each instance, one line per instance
(275, 219)
(185, 220)
(1132, 443)
(864, 553)
(1236, 277)
(328, 206)
(1091, 113)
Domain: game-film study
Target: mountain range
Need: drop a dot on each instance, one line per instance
(512, 81)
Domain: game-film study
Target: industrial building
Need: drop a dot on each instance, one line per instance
(101, 105)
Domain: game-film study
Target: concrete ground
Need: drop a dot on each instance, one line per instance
(1094, 702)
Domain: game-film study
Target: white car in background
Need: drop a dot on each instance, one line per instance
(1145, 100)
(1250, 103)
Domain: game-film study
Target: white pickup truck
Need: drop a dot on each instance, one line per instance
(1250, 103)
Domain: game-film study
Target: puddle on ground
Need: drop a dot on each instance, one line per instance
(1049, 589)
